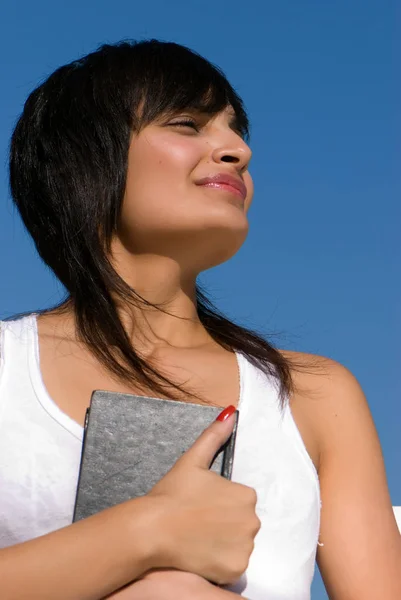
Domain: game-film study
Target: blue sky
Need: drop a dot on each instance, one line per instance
(321, 266)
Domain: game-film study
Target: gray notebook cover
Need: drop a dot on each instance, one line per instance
(131, 442)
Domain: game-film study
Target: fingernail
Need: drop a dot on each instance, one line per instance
(227, 412)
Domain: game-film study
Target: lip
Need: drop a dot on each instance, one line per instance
(226, 182)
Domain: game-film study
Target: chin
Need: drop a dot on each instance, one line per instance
(221, 245)
(229, 222)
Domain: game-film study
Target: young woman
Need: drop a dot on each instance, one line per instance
(129, 168)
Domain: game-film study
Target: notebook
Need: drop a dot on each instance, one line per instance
(131, 442)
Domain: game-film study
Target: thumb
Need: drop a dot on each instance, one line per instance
(204, 449)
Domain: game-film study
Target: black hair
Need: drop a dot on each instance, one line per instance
(68, 165)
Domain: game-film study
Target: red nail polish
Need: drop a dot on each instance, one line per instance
(227, 412)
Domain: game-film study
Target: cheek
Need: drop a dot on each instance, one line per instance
(158, 180)
(167, 157)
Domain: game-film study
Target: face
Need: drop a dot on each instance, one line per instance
(188, 189)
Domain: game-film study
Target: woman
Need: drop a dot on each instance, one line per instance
(130, 170)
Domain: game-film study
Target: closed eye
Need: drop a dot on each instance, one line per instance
(185, 123)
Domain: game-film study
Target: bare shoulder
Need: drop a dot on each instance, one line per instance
(360, 555)
(56, 324)
(322, 377)
(327, 402)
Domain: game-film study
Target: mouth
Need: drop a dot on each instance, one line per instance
(226, 183)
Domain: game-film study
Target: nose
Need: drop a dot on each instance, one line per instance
(235, 151)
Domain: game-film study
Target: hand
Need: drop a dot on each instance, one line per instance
(207, 524)
(171, 585)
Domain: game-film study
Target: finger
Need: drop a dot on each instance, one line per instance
(204, 449)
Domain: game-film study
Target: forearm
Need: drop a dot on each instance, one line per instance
(139, 591)
(172, 585)
(226, 595)
(87, 560)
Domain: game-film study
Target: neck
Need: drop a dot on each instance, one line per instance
(160, 281)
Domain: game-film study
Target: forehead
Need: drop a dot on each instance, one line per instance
(229, 113)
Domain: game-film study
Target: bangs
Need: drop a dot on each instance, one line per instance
(175, 78)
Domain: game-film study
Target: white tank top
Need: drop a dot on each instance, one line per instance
(40, 448)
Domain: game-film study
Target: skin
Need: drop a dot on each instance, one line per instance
(170, 230)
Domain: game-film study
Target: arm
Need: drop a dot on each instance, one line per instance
(361, 552)
(87, 560)
(192, 520)
(172, 585)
